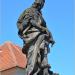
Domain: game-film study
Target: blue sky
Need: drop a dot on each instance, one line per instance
(59, 17)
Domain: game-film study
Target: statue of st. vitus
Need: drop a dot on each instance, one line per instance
(33, 31)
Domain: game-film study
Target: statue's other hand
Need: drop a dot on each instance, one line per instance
(52, 43)
(20, 27)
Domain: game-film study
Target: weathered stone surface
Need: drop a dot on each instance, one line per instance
(33, 31)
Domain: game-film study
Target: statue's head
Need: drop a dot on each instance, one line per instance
(39, 4)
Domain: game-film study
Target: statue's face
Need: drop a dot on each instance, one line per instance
(39, 1)
(40, 4)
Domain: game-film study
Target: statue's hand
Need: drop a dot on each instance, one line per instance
(52, 43)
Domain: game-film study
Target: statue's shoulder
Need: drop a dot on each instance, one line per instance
(26, 13)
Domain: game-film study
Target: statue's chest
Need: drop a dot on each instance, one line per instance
(38, 16)
(35, 15)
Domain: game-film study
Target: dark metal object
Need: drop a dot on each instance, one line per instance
(36, 37)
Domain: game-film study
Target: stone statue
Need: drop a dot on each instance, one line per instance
(36, 37)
